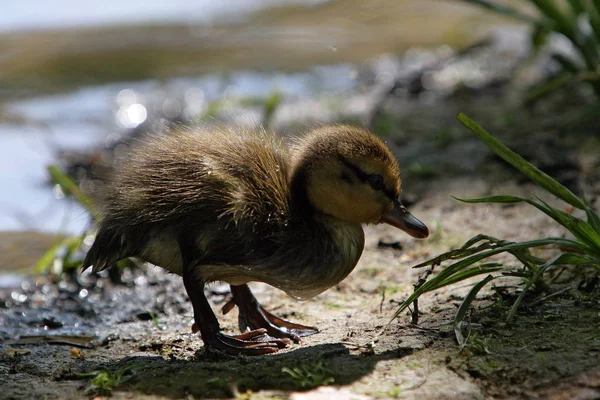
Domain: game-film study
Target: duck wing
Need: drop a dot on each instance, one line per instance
(226, 184)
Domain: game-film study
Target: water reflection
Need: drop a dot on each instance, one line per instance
(100, 116)
(130, 116)
(17, 15)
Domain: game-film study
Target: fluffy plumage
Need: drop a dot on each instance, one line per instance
(239, 206)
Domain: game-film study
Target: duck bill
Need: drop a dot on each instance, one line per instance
(400, 218)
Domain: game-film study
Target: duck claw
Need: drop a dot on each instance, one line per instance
(250, 343)
(261, 336)
(254, 316)
(275, 326)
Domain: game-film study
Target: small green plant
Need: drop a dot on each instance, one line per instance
(583, 249)
(154, 320)
(272, 102)
(213, 109)
(383, 125)
(71, 188)
(269, 104)
(63, 255)
(540, 357)
(477, 346)
(103, 382)
(217, 382)
(578, 21)
(310, 375)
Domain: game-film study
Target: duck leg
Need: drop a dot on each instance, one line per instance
(254, 342)
(254, 316)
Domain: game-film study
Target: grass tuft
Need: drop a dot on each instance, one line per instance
(465, 262)
(308, 376)
(103, 382)
(64, 255)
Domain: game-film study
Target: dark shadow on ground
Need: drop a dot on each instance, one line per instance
(212, 375)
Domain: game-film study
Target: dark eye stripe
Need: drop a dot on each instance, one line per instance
(346, 177)
(363, 176)
(357, 171)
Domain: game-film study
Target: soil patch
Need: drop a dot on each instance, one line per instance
(141, 328)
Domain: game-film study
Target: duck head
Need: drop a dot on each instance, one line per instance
(349, 173)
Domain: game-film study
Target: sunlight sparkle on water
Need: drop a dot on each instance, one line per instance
(132, 115)
(57, 191)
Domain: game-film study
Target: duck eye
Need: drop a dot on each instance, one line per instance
(376, 181)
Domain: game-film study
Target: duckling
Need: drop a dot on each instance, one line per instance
(238, 206)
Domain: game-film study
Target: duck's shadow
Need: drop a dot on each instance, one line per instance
(218, 376)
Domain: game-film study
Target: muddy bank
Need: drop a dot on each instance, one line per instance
(141, 328)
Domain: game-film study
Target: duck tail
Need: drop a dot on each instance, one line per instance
(108, 248)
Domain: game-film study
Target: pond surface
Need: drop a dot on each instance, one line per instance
(85, 118)
(18, 15)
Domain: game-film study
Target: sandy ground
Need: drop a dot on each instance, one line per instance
(551, 351)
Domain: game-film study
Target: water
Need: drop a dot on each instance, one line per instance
(19, 15)
(75, 121)
(89, 117)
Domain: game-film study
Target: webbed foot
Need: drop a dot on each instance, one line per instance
(254, 316)
(255, 342)
(249, 343)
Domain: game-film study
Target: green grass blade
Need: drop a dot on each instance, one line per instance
(593, 219)
(444, 280)
(471, 272)
(589, 50)
(573, 258)
(70, 244)
(581, 229)
(567, 64)
(271, 103)
(492, 199)
(539, 37)
(528, 169)
(593, 10)
(455, 254)
(577, 6)
(70, 187)
(578, 227)
(455, 268)
(558, 82)
(565, 22)
(565, 258)
(486, 238)
(464, 308)
(47, 259)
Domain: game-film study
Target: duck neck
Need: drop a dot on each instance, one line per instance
(346, 237)
(300, 204)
